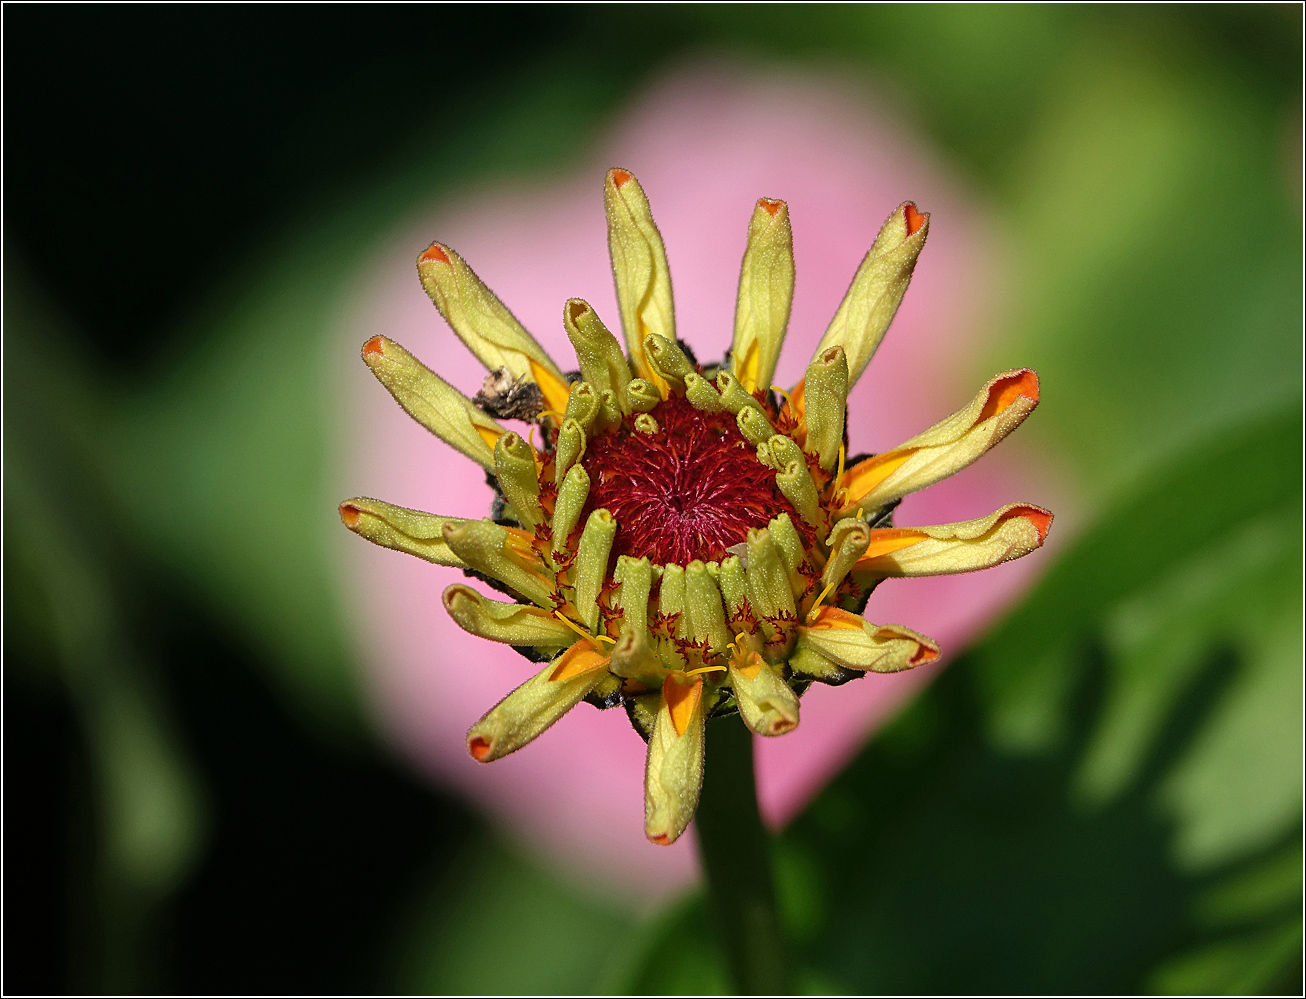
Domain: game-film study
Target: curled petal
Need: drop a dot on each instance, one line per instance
(536, 704)
(849, 640)
(404, 530)
(701, 394)
(673, 773)
(641, 396)
(877, 289)
(766, 703)
(769, 589)
(504, 555)
(672, 628)
(634, 577)
(610, 412)
(639, 267)
(778, 451)
(512, 624)
(947, 447)
(798, 487)
(432, 401)
(944, 549)
(733, 396)
(755, 427)
(849, 539)
(633, 656)
(793, 551)
(485, 325)
(766, 293)
(733, 580)
(569, 449)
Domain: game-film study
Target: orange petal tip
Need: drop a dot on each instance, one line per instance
(770, 204)
(1004, 391)
(619, 176)
(1036, 515)
(1027, 382)
(479, 748)
(1043, 521)
(376, 346)
(434, 252)
(350, 515)
(913, 218)
(576, 308)
(924, 654)
(661, 839)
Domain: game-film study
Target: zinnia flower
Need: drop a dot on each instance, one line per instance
(686, 541)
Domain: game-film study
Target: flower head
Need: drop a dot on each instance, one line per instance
(686, 540)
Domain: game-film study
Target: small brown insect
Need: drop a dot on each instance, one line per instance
(506, 399)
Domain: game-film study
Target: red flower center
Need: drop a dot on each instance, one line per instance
(689, 491)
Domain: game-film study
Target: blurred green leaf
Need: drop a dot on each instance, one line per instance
(677, 954)
(1267, 887)
(1025, 666)
(1158, 286)
(498, 925)
(61, 558)
(1238, 589)
(1241, 784)
(1242, 967)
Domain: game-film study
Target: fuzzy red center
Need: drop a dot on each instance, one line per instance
(689, 491)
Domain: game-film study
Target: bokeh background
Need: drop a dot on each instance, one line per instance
(1101, 794)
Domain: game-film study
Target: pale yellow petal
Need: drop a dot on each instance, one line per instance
(639, 267)
(673, 772)
(485, 325)
(539, 702)
(766, 293)
(404, 530)
(877, 289)
(947, 447)
(432, 401)
(944, 549)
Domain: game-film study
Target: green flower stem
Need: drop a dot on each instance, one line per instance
(736, 855)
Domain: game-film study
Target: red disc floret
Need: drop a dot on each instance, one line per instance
(689, 491)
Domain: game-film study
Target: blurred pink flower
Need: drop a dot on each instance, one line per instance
(706, 143)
